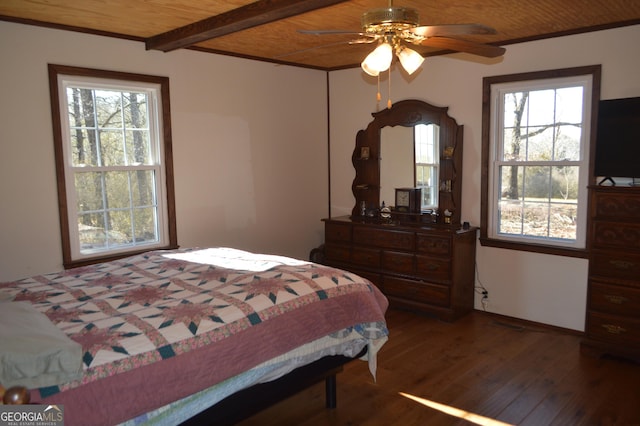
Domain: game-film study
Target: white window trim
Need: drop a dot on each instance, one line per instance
(497, 92)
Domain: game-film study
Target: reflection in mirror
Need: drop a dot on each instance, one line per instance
(427, 162)
(396, 159)
(409, 158)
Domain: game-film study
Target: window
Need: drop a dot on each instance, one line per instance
(427, 171)
(112, 135)
(537, 142)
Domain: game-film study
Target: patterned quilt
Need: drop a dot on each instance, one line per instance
(170, 323)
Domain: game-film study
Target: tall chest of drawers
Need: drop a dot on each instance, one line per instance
(613, 305)
(417, 267)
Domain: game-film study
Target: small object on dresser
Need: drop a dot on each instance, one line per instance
(448, 152)
(385, 212)
(364, 153)
(447, 216)
(408, 200)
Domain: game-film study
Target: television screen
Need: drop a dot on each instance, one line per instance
(618, 138)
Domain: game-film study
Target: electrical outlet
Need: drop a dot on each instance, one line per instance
(485, 299)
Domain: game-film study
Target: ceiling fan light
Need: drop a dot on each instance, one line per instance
(379, 60)
(366, 68)
(410, 59)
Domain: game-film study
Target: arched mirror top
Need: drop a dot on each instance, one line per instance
(409, 113)
(367, 159)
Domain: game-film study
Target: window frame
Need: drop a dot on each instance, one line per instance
(120, 80)
(488, 145)
(433, 132)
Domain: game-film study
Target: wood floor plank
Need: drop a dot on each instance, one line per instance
(482, 364)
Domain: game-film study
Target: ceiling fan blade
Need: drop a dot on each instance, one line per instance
(479, 49)
(324, 32)
(363, 40)
(451, 29)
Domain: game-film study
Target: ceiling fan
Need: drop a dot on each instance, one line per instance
(393, 28)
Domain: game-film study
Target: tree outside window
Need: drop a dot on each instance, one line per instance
(536, 150)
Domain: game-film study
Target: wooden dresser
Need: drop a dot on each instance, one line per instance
(613, 306)
(430, 269)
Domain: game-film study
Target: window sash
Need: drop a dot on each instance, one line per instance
(497, 162)
(427, 167)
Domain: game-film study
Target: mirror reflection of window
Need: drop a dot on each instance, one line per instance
(427, 156)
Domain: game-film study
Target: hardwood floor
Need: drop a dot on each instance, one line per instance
(482, 365)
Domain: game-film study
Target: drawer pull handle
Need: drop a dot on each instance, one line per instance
(618, 300)
(622, 264)
(432, 266)
(614, 329)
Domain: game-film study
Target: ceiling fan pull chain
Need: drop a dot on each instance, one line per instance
(378, 96)
(389, 100)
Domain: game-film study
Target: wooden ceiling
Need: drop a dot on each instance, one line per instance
(268, 29)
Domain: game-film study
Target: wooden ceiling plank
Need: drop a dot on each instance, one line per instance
(251, 15)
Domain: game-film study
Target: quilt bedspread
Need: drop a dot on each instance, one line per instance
(148, 321)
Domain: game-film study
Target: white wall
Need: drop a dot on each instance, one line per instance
(249, 141)
(543, 288)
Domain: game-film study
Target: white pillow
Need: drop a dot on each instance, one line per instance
(33, 351)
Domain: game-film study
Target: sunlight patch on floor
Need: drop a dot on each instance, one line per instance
(456, 412)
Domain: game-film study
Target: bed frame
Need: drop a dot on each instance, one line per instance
(234, 408)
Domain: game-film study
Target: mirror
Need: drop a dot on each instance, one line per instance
(396, 152)
(411, 144)
(418, 146)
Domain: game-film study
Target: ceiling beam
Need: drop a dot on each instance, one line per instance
(251, 15)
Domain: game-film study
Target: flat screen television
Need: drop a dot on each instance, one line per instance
(618, 139)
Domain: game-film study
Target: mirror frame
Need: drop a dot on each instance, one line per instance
(366, 157)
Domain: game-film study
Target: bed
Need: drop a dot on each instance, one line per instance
(167, 335)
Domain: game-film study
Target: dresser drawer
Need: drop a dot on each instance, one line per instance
(439, 246)
(416, 291)
(616, 265)
(402, 263)
(433, 269)
(616, 234)
(616, 205)
(613, 329)
(614, 299)
(337, 232)
(337, 253)
(366, 257)
(384, 238)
